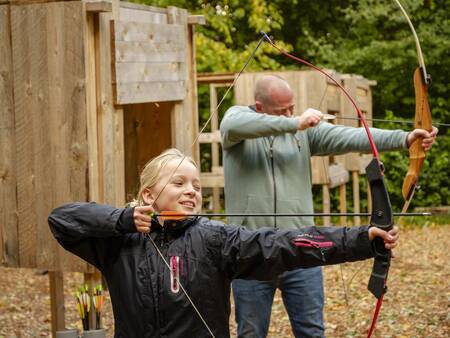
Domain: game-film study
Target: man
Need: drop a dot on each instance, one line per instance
(266, 157)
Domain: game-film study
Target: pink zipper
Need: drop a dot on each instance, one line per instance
(175, 274)
(312, 244)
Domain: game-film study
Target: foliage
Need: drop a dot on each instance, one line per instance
(367, 37)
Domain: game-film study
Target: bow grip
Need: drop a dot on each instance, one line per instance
(382, 218)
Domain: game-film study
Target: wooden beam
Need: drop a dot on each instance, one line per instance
(98, 6)
(342, 204)
(212, 180)
(9, 252)
(356, 197)
(31, 2)
(326, 205)
(206, 78)
(196, 20)
(213, 137)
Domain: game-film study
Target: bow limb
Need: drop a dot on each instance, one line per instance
(422, 119)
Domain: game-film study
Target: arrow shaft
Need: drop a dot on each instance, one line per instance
(288, 214)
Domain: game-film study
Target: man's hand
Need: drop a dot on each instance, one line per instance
(309, 118)
(390, 237)
(142, 219)
(428, 137)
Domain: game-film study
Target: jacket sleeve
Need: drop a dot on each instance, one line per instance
(240, 123)
(265, 253)
(327, 138)
(91, 231)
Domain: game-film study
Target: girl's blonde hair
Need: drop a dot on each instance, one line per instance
(152, 171)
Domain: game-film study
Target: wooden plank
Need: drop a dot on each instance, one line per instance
(196, 20)
(8, 200)
(56, 280)
(150, 92)
(145, 72)
(49, 87)
(143, 14)
(350, 161)
(364, 161)
(319, 169)
(111, 117)
(149, 51)
(213, 137)
(342, 204)
(216, 78)
(28, 25)
(192, 95)
(54, 119)
(326, 204)
(212, 180)
(141, 7)
(356, 197)
(146, 134)
(215, 160)
(68, 114)
(98, 6)
(91, 34)
(141, 31)
(33, 2)
(135, 74)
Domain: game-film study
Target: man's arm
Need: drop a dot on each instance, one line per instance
(328, 139)
(240, 123)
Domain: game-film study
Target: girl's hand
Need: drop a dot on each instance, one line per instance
(390, 237)
(142, 218)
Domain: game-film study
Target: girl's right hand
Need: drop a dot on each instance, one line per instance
(142, 218)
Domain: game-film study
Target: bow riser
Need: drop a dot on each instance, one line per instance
(381, 217)
(422, 120)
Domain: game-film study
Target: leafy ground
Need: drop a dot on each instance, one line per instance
(417, 305)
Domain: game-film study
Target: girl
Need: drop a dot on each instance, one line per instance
(153, 268)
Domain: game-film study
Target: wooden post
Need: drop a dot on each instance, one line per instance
(57, 300)
(214, 145)
(326, 203)
(8, 198)
(342, 204)
(356, 200)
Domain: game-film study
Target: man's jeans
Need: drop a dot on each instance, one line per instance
(302, 292)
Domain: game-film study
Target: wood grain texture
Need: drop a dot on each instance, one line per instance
(8, 199)
(48, 62)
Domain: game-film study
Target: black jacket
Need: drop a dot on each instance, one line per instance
(206, 255)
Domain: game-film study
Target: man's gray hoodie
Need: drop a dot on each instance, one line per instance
(267, 164)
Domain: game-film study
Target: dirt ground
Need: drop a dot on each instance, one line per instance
(417, 304)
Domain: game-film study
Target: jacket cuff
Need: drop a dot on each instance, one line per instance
(364, 248)
(126, 221)
(406, 140)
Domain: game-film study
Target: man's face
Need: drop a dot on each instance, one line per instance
(281, 103)
(183, 191)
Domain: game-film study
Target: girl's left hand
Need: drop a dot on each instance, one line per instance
(390, 237)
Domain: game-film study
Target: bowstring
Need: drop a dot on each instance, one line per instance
(213, 113)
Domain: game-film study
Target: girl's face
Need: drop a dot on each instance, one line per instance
(183, 191)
